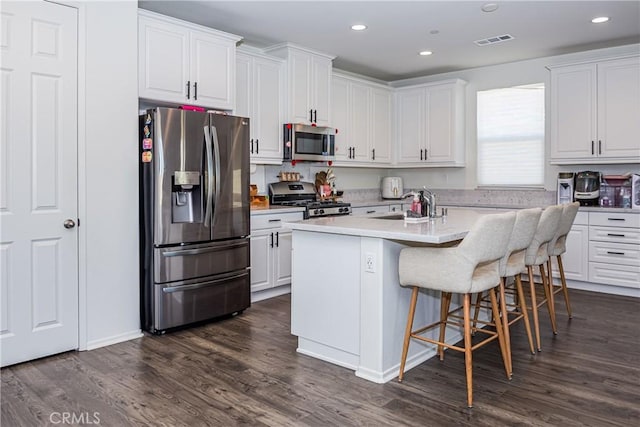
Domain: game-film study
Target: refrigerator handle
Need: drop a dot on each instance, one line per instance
(209, 175)
(216, 152)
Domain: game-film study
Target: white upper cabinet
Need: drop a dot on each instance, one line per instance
(184, 63)
(595, 110)
(361, 112)
(308, 87)
(259, 87)
(430, 125)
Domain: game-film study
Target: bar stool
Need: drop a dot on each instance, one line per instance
(468, 268)
(537, 255)
(558, 246)
(510, 266)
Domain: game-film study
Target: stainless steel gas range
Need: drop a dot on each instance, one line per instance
(303, 194)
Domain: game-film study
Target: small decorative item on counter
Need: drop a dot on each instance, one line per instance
(289, 176)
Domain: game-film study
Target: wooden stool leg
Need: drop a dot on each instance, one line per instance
(534, 307)
(476, 313)
(500, 332)
(522, 306)
(548, 293)
(407, 332)
(563, 280)
(467, 349)
(445, 303)
(505, 325)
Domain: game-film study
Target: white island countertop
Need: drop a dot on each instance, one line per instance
(445, 229)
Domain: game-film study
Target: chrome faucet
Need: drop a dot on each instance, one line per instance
(430, 199)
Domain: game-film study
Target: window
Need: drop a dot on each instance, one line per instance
(511, 136)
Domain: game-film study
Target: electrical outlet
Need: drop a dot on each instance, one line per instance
(370, 262)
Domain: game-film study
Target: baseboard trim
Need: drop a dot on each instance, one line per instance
(115, 339)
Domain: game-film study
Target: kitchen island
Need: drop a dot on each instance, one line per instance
(347, 306)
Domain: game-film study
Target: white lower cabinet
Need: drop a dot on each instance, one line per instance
(270, 254)
(576, 259)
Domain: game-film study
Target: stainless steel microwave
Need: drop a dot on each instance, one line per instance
(312, 143)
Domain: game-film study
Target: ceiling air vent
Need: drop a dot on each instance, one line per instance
(494, 40)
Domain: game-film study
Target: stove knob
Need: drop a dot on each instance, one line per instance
(316, 212)
(321, 211)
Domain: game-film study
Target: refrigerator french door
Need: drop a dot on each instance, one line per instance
(194, 217)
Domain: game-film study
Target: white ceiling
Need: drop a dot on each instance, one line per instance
(398, 30)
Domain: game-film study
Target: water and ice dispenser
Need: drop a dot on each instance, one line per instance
(187, 196)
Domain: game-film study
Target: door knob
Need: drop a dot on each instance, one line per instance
(69, 223)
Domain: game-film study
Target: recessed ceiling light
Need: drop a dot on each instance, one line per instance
(600, 19)
(426, 53)
(358, 27)
(490, 7)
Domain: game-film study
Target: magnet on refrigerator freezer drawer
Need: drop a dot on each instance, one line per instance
(147, 144)
(147, 121)
(146, 156)
(147, 131)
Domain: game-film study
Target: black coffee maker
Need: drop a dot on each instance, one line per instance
(587, 188)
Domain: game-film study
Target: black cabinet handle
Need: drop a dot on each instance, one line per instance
(425, 154)
(373, 154)
(252, 146)
(421, 154)
(369, 212)
(311, 115)
(354, 152)
(615, 253)
(271, 244)
(599, 147)
(615, 219)
(188, 89)
(257, 146)
(195, 90)
(350, 152)
(277, 239)
(592, 148)
(615, 235)
(315, 116)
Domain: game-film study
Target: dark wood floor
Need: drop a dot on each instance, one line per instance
(245, 371)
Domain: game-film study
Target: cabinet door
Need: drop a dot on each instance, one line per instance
(282, 258)
(243, 88)
(410, 122)
(267, 117)
(573, 112)
(359, 124)
(261, 260)
(439, 125)
(370, 210)
(340, 116)
(212, 70)
(380, 125)
(576, 259)
(619, 109)
(163, 61)
(299, 91)
(321, 86)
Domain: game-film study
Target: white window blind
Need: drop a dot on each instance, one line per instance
(511, 136)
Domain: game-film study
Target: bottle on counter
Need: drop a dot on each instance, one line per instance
(416, 206)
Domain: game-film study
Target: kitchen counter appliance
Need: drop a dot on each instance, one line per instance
(309, 143)
(565, 187)
(194, 217)
(587, 190)
(392, 187)
(303, 194)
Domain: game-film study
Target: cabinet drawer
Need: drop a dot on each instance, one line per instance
(260, 222)
(582, 218)
(614, 219)
(614, 253)
(611, 274)
(615, 235)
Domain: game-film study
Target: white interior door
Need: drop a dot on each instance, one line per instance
(38, 175)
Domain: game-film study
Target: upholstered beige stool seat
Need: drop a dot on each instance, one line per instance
(537, 255)
(468, 268)
(558, 246)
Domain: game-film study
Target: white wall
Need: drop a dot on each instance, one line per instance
(485, 78)
(109, 153)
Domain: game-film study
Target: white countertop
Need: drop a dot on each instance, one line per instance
(454, 226)
(276, 210)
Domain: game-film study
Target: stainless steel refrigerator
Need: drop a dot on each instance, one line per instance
(194, 217)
